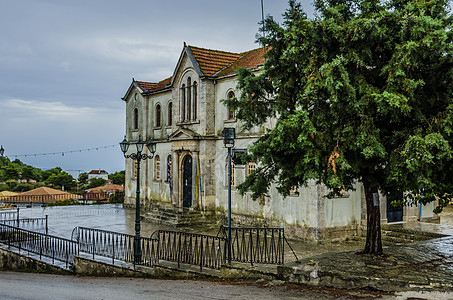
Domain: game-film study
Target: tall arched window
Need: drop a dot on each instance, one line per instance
(189, 99)
(156, 167)
(135, 125)
(158, 116)
(230, 114)
(183, 102)
(226, 172)
(170, 114)
(194, 115)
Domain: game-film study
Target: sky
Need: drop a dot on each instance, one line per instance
(65, 65)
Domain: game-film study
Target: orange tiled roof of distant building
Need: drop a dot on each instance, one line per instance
(249, 59)
(211, 61)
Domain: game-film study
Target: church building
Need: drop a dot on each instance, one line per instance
(184, 115)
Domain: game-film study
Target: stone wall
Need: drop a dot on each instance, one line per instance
(13, 261)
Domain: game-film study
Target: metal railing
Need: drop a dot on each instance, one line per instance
(114, 245)
(33, 224)
(53, 247)
(191, 248)
(9, 215)
(257, 245)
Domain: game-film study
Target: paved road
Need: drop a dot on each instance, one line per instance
(26, 286)
(15, 286)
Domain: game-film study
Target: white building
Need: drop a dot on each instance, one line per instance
(185, 116)
(98, 174)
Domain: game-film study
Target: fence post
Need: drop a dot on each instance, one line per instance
(47, 228)
(18, 217)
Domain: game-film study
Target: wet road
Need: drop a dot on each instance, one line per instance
(44, 286)
(27, 286)
(113, 217)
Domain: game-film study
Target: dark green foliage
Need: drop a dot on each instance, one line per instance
(362, 92)
(118, 177)
(66, 202)
(95, 182)
(83, 178)
(61, 180)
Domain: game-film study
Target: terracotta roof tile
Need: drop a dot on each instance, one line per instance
(152, 86)
(249, 59)
(212, 61)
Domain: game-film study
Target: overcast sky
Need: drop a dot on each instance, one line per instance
(64, 66)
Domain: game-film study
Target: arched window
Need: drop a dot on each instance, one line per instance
(230, 114)
(158, 116)
(170, 114)
(169, 173)
(194, 115)
(226, 172)
(183, 102)
(156, 167)
(135, 125)
(189, 99)
(251, 166)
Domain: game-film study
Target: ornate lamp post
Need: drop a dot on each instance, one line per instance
(229, 134)
(138, 156)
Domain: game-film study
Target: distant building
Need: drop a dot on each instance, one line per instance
(98, 174)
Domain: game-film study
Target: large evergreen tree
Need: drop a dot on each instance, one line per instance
(361, 92)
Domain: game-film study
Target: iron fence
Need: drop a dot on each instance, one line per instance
(257, 245)
(33, 224)
(114, 245)
(9, 215)
(191, 248)
(53, 247)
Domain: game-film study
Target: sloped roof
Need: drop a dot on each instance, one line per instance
(7, 194)
(98, 172)
(108, 188)
(249, 59)
(44, 191)
(153, 86)
(211, 61)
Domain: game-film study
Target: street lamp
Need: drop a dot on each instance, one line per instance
(229, 134)
(2, 150)
(138, 156)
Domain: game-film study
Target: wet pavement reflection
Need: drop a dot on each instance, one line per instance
(63, 219)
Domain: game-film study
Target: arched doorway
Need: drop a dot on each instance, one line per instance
(187, 181)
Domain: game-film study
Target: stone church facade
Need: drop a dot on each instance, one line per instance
(184, 115)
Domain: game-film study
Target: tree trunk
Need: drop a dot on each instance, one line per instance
(373, 243)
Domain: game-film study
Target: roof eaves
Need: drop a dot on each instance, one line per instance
(196, 65)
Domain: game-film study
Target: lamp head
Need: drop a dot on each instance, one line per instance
(229, 134)
(124, 145)
(139, 144)
(151, 145)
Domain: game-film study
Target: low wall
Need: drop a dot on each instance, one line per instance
(88, 267)
(13, 261)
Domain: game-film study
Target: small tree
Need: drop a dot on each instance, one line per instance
(95, 182)
(83, 178)
(118, 177)
(362, 92)
(62, 179)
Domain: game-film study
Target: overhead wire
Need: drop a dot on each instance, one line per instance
(62, 153)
